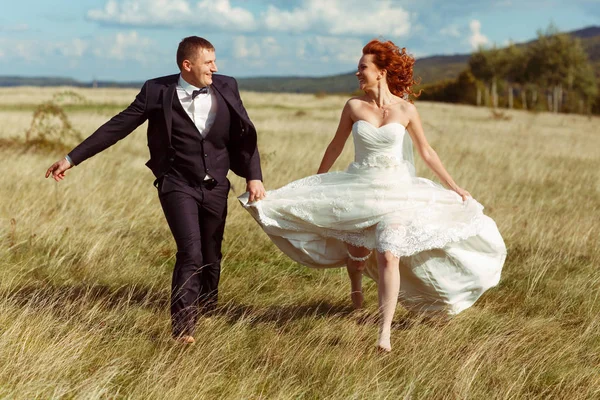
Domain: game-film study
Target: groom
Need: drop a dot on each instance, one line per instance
(198, 129)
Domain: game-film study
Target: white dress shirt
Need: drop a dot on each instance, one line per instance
(202, 110)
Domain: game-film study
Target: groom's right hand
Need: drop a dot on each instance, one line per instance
(58, 169)
(256, 190)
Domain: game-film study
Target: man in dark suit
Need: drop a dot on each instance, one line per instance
(198, 129)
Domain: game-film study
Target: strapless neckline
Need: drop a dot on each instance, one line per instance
(378, 127)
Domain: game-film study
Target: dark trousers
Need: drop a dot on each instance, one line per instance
(196, 216)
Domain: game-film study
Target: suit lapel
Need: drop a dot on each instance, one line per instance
(168, 107)
(225, 91)
(222, 87)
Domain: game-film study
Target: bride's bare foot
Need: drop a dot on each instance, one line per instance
(384, 350)
(383, 343)
(357, 300)
(186, 339)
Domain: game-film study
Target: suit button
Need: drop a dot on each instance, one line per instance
(205, 155)
(207, 170)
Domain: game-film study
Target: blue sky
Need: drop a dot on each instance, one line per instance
(133, 40)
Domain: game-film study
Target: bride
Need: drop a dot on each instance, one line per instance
(377, 217)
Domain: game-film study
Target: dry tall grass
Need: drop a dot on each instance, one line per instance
(85, 267)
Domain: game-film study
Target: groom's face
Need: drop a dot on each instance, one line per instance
(200, 68)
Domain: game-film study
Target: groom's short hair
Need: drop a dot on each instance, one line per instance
(189, 46)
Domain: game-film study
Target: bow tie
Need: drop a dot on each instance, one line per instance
(203, 90)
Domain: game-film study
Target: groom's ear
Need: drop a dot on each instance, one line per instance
(186, 65)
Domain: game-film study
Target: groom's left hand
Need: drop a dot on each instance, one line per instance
(256, 190)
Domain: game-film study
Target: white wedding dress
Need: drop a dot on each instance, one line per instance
(450, 252)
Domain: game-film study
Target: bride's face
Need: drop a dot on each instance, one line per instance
(368, 74)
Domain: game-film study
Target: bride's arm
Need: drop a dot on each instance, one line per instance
(337, 143)
(415, 129)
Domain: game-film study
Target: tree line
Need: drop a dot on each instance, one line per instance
(552, 74)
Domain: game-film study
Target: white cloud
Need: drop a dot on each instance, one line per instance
(28, 50)
(141, 12)
(477, 39)
(296, 54)
(223, 15)
(76, 48)
(271, 46)
(22, 49)
(301, 49)
(326, 48)
(244, 48)
(121, 46)
(215, 14)
(256, 52)
(126, 46)
(14, 28)
(340, 17)
(331, 17)
(451, 30)
(3, 46)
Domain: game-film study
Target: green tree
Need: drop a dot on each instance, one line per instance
(512, 61)
(558, 64)
(486, 66)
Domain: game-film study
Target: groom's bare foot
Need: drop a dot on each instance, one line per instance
(186, 339)
(357, 300)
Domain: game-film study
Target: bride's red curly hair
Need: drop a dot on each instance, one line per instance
(398, 64)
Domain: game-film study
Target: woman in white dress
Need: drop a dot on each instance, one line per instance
(377, 217)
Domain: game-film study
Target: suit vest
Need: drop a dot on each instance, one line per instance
(195, 155)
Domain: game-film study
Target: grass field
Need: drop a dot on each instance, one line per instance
(85, 269)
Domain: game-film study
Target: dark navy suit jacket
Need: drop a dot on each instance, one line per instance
(237, 151)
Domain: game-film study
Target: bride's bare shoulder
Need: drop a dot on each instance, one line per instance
(407, 107)
(356, 100)
(354, 103)
(405, 104)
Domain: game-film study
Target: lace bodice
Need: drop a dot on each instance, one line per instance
(385, 147)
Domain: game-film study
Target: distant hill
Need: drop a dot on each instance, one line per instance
(429, 69)
(590, 38)
(588, 32)
(37, 81)
(6, 81)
